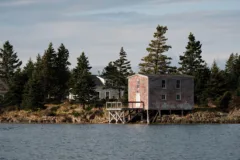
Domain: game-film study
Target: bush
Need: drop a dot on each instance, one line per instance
(51, 113)
(224, 100)
(235, 103)
(55, 108)
(88, 108)
(75, 114)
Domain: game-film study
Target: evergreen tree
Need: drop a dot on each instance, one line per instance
(201, 78)
(216, 84)
(191, 61)
(28, 69)
(33, 94)
(62, 73)
(14, 94)
(229, 67)
(123, 65)
(232, 71)
(84, 86)
(114, 78)
(49, 71)
(117, 72)
(9, 62)
(156, 62)
(33, 97)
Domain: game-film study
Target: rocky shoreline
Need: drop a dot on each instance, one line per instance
(74, 114)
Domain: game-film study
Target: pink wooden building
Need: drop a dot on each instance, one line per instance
(161, 92)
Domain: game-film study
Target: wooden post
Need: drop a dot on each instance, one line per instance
(123, 117)
(182, 113)
(147, 117)
(109, 118)
(170, 111)
(160, 114)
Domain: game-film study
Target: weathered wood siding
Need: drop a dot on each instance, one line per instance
(156, 91)
(113, 93)
(143, 90)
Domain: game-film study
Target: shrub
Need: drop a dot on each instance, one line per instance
(75, 114)
(224, 100)
(235, 103)
(55, 108)
(88, 108)
(51, 113)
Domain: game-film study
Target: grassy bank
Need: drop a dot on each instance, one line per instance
(202, 117)
(70, 113)
(64, 113)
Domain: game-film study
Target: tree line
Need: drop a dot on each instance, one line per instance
(49, 78)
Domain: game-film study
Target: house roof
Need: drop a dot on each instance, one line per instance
(99, 81)
(162, 75)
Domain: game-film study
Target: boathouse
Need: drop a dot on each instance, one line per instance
(161, 92)
(150, 95)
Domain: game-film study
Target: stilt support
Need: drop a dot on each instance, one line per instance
(117, 116)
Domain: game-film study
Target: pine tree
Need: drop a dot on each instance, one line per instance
(33, 97)
(114, 78)
(232, 71)
(201, 79)
(117, 72)
(191, 61)
(62, 73)
(9, 62)
(216, 84)
(122, 64)
(28, 69)
(49, 71)
(14, 94)
(156, 62)
(33, 94)
(229, 67)
(83, 86)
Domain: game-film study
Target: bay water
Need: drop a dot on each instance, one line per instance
(119, 142)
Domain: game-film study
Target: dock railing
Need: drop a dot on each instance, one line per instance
(129, 104)
(114, 105)
(140, 103)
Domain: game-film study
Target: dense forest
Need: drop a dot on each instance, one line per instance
(48, 78)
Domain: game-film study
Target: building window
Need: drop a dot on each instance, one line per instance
(178, 96)
(164, 97)
(164, 84)
(98, 95)
(107, 95)
(178, 84)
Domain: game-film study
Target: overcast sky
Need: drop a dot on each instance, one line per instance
(101, 27)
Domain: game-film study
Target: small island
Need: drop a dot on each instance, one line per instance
(48, 91)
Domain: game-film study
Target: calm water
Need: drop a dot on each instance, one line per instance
(116, 142)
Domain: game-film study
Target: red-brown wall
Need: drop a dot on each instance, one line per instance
(143, 90)
(150, 90)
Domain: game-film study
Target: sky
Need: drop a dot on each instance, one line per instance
(101, 27)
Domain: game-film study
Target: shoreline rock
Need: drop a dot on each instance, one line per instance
(75, 115)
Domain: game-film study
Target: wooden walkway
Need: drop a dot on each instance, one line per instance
(119, 114)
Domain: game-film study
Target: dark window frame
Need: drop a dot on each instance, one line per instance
(178, 85)
(164, 85)
(165, 97)
(180, 96)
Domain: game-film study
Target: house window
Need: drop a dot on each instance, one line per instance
(98, 95)
(164, 97)
(164, 84)
(178, 96)
(178, 84)
(107, 95)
